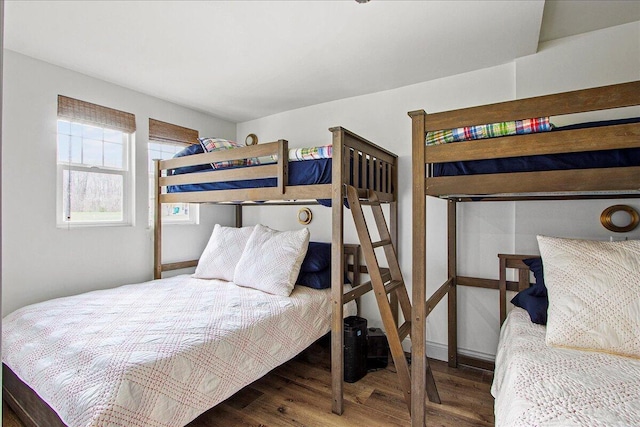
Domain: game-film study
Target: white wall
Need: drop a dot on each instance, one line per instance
(485, 229)
(608, 56)
(41, 261)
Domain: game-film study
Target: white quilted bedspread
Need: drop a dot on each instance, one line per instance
(158, 353)
(536, 385)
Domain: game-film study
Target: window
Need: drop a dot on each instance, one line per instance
(94, 177)
(165, 140)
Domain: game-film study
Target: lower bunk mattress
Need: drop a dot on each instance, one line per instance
(158, 353)
(565, 161)
(536, 385)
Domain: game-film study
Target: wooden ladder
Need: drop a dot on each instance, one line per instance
(384, 281)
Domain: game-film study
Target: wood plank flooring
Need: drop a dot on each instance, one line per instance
(298, 393)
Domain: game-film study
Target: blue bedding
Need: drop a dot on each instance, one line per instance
(564, 161)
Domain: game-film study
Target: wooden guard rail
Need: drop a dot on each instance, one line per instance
(568, 141)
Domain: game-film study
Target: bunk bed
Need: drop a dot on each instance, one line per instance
(354, 161)
(471, 180)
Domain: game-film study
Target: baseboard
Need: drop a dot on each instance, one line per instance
(441, 351)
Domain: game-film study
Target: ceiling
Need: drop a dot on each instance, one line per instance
(241, 60)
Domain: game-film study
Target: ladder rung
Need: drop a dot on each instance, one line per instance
(393, 285)
(404, 330)
(385, 273)
(384, 242)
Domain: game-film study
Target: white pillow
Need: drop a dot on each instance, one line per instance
(271, 260)
(225, 247)
(594, 294)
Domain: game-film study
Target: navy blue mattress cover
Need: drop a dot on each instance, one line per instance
(564, 161)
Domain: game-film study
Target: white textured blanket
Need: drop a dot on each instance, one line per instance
(536, 385)
(158, 353)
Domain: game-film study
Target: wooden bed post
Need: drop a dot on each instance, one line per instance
(393, 229)
(337, 262)
(419, 227)
(393, 224)
(452, 271)
(238, 216)
(157, 225)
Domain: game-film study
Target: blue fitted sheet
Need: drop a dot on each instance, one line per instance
(564, 161)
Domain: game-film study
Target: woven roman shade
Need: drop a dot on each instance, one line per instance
(86, 112)
(167, 132)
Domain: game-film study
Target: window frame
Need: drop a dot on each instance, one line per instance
(127, 171)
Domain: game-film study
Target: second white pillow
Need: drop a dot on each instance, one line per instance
(271, 260)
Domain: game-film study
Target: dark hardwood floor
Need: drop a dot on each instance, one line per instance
(298, 393)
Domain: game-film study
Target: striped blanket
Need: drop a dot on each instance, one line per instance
(491, 130)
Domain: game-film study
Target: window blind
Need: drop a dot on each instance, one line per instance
(86, 112)
(167, 132)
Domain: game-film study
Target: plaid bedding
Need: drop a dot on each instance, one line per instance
(311, 153)
(295, 154)
(160, 353)
(301, 154)
(491, 130)
(217, 144)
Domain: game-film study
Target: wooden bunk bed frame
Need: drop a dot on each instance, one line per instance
(355, 161)
(547, 185)
(347, 147)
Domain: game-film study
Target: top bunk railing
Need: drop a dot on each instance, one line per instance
(513, 185)
(278, 170)
(366, 166)
(362, 164)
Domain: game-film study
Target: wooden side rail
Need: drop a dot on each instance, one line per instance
(554, 142)
(171, 266)
(278, 169)
(27, 405)
(579, 101)
(516, 185)
(240, 153)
